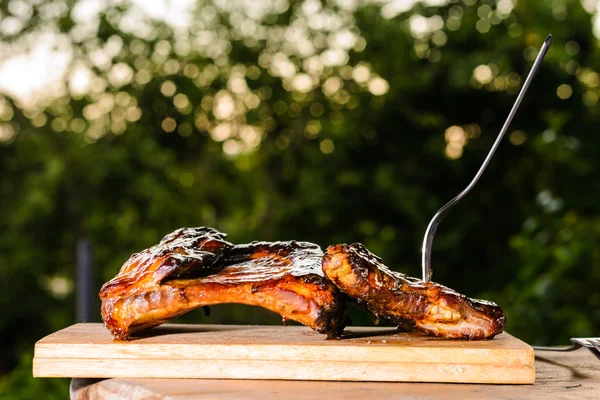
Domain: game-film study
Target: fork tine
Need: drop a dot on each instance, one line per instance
(595, 347)
(595, 342)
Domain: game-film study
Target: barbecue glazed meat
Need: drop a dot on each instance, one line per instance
(408, 302)
(135, 299)
(285, 277)
(196, 267)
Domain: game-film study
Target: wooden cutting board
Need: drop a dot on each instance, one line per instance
(278, 352)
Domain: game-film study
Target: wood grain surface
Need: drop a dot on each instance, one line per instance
(277, 352)
(567, 376)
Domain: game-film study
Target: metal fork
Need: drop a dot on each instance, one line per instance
(437, 218)
(592, 344)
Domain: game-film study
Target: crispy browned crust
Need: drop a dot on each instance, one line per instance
(196, 267)
(409, 302)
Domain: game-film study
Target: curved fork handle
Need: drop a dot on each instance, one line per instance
(437, 218)
(572, 347)
(592, 344)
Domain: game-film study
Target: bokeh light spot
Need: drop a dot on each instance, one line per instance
(378, 86)
(327, 146)
(517, 138)
(483, 74)
(168, 88)
(169, 124)
(564, 91)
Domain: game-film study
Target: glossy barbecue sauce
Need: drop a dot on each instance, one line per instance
(409, 302)
(195, 267)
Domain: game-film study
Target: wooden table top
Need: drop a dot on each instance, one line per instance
(573, 375)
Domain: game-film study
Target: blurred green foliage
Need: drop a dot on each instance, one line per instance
(336, 122)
